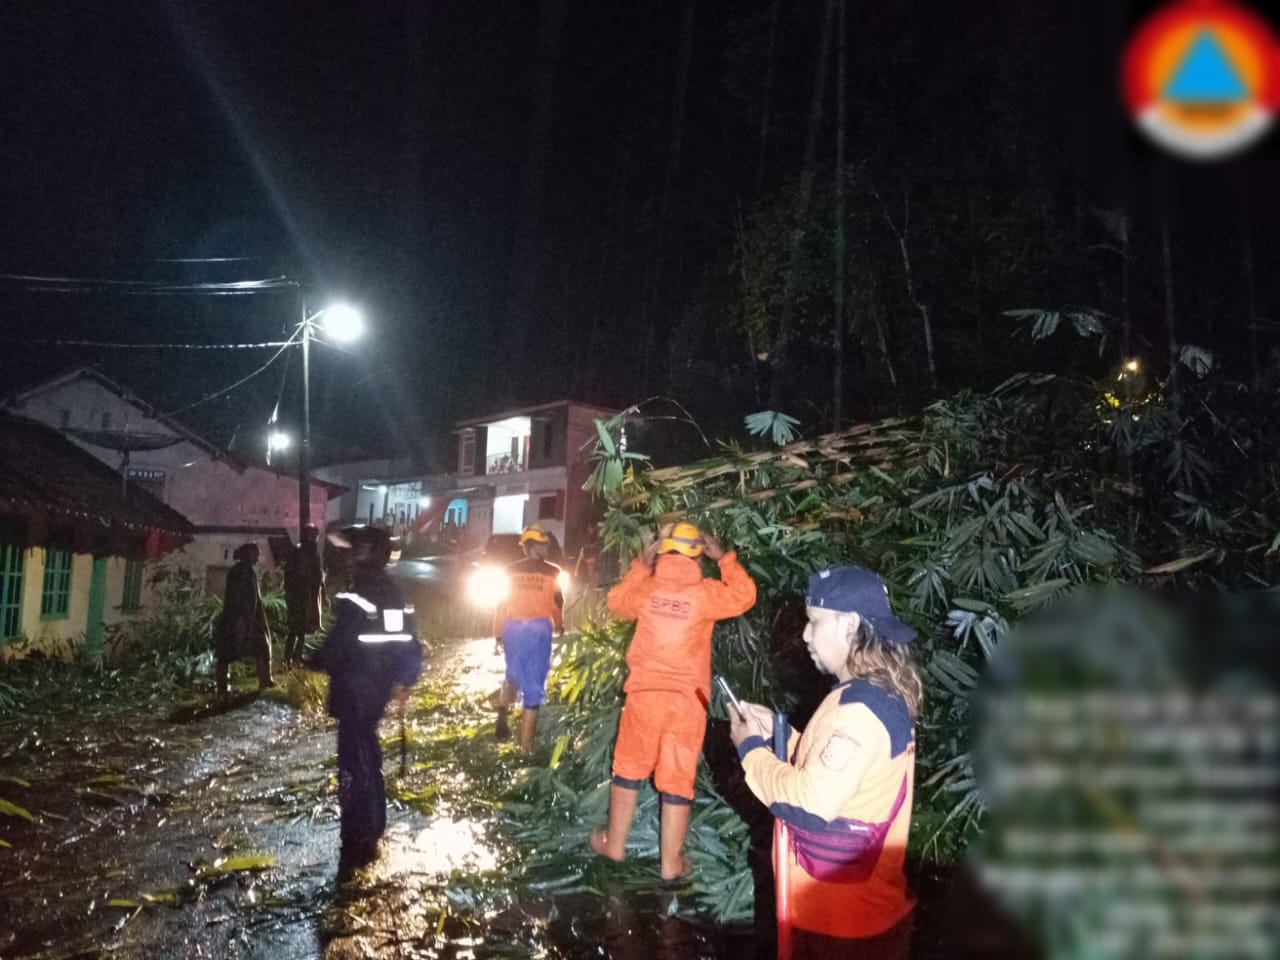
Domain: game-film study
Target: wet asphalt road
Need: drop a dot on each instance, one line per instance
(134, 816)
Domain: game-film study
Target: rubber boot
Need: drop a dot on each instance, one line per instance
(528, 724)
(503, 699)
(612, 841)
(673, 829)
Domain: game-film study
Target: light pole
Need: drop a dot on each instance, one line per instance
(341, 323)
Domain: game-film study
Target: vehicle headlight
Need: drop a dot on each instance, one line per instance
(488, 586)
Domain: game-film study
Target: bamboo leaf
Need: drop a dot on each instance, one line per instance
(13, 810)
(606, 441)
(1173, 566)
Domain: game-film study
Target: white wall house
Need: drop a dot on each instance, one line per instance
(514, 467)
(528, 465)
(226, 498)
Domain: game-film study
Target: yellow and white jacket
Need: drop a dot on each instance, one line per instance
(846, 798)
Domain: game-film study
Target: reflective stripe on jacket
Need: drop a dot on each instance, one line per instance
(372, 645)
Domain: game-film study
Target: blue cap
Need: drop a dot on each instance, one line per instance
(858, 590)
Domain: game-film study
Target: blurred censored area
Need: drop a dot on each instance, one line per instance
(1126, 747)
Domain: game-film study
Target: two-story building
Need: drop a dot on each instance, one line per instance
(227, 499)
(514, 467)
(529, 465)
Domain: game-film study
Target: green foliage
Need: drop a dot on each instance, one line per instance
(784, 251)
(173, 650)
(778, 427)
(981, 510)
(569, 796)
(1045, 323)
(613, 463)
(181, 614)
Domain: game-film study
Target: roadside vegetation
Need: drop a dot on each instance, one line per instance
(978, 510)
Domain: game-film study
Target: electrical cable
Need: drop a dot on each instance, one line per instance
(74, 284)
(213, 396)
(110, 345)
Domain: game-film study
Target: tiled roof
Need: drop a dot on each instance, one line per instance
(46, 478)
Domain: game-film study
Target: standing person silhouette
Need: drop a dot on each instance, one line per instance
(372, 656)
(240, 632)
(303, 593)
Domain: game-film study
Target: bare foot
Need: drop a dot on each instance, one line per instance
(684, 872)
(600, 844)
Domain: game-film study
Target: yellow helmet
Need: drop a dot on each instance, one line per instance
(534, 533)
(681, 537)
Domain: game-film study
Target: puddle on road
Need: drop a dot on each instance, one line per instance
(444, 847)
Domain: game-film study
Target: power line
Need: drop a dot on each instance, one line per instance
(203, 259)
(243, 380)
(45, 284)
(151, 346)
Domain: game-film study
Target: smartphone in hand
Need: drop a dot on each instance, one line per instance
(728, 695)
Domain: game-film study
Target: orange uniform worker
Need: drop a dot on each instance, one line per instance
(845, 794)
(523, 623)
(669, 683)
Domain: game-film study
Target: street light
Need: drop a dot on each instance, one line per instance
(343, 323)
(278, 440)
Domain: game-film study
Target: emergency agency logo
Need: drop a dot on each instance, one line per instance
(1202, 78)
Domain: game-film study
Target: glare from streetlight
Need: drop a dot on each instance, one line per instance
(343, 322)
(278, 440)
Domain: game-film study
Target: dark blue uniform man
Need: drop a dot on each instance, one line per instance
(372, 655)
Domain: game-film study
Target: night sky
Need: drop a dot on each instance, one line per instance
(540, 199)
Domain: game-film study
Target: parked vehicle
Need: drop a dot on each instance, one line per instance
(487, 585)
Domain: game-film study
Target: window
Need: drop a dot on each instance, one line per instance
(131, 596)
(55, 596)
(549, 507)
(11, 562)
(467, 457)
(548, 440)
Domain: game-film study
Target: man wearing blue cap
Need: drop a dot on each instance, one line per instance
(844, 791)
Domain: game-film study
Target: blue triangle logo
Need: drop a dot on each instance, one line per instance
(1206, 74)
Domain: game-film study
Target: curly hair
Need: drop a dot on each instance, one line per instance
(888, 665)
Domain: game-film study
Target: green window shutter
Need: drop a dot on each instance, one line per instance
(55, 594)
(11, 568)
(131, 596)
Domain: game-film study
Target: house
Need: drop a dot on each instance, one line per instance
(75, 543)
(529, 465)
(227, 499)
(514, 467)
(367, 495)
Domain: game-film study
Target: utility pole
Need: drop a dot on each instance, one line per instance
(304, 450)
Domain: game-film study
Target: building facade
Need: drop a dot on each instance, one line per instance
(529, 465)
(514, 467)
(77, 546)
(227, 499)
